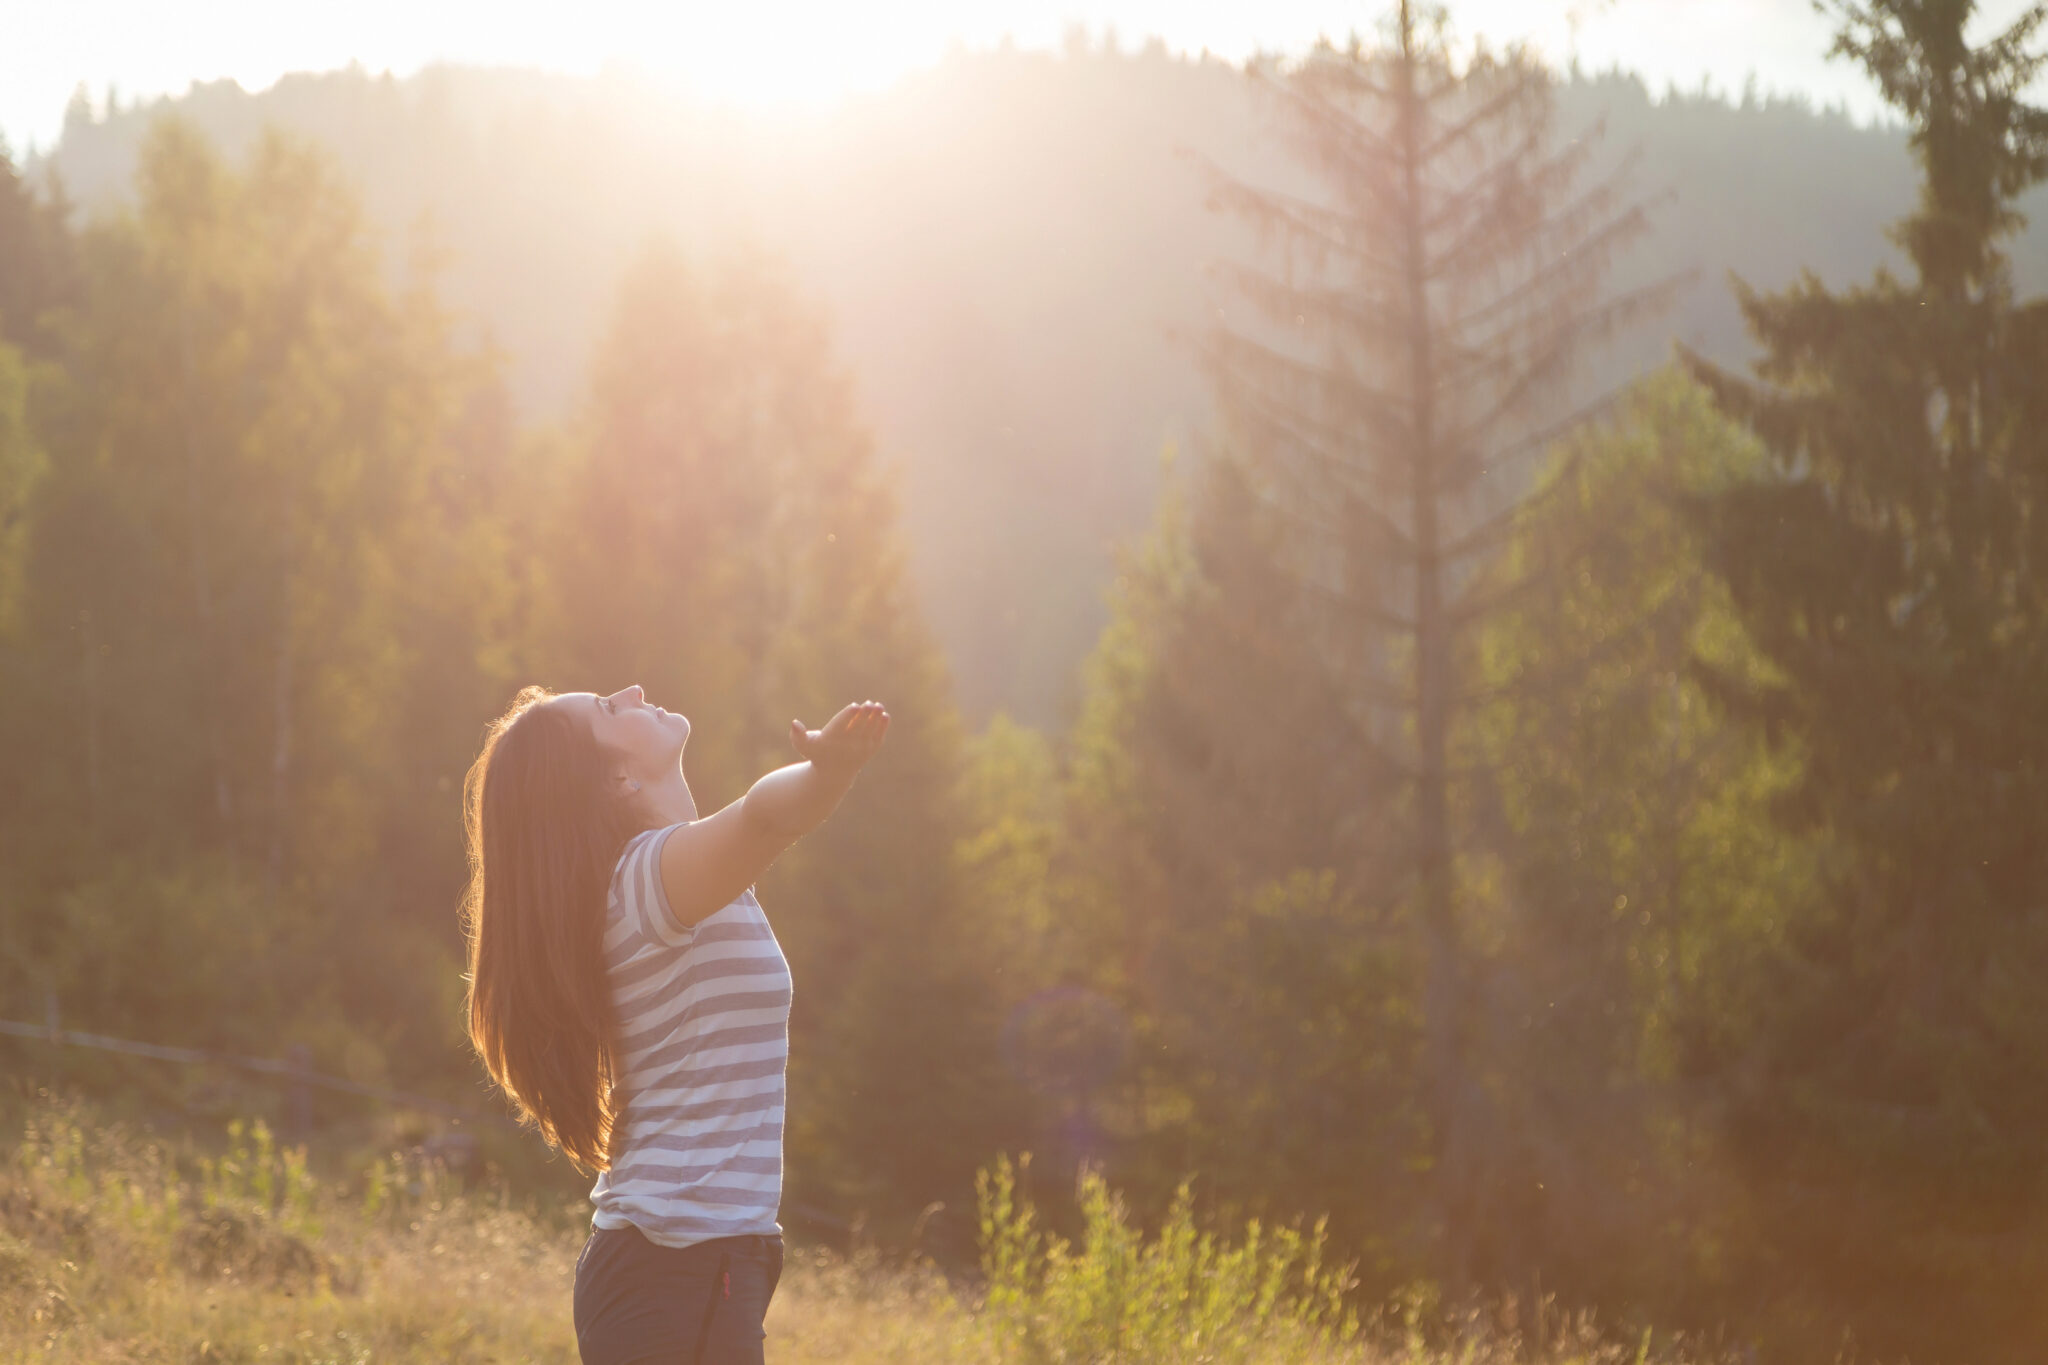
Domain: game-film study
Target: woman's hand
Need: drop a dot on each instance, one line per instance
(706, 863)
(848, 740)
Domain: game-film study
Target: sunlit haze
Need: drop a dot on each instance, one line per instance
(791, 50)
(1461, 616)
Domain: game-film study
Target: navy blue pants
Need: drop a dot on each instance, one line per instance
(641, 1303)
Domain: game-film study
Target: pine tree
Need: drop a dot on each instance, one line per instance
(22, 466)
(1637, 877)
(1397, 377)
(1209, 799)
(248, 451)
(722, 535)
(1892, 569)
(38, 265)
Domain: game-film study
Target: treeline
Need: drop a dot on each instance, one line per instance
(1004, 244)
(1580, 851)
(276, 550)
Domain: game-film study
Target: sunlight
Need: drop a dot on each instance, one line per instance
(810, 53)
(1469, 764)
(800, 53)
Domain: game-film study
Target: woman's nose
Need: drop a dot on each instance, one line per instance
(639, 697)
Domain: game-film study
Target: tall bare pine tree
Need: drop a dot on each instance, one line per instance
(1441, 277)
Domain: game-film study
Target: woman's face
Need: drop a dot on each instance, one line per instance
(646, 741)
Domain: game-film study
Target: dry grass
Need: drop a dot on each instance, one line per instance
(119, 1246)
(116, 1247)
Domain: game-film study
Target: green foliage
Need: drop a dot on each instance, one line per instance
(118, 1244)
(140, 1194)
(254, 1173)
(115, 934)
(230, 601)
(271, 554)
(719, 531)
(141, 1188)
(1885, 564)
(1010, 806)
(1230, 835)
(1629, 878)
(999, 292)
(22, 466)
(1624, 882)
(38, 265)
(1182, 1295)
(1384, 378)
(1633, 813)
(1747, 776)
(377, 1188)
(111, 1252)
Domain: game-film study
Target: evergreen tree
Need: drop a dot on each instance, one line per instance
(21, 467)
(722, 536)
(1635, 880)
(1398, 375)
(35, 277)
(1208, 810)
(1890, 1083)
(38, 265)
(246, 455)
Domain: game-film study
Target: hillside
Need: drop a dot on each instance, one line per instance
(1005, 246)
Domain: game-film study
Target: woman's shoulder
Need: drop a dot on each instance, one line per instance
(648, 838)
(640, 896)
(637, 871)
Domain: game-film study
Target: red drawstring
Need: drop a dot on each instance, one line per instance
(727, 1277)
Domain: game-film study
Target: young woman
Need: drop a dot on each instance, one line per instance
(625, 989)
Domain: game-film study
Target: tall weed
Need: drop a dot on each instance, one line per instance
(1184, 1295)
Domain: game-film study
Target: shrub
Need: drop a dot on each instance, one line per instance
(1183, 1296)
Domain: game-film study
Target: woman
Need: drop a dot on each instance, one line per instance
(625, 989)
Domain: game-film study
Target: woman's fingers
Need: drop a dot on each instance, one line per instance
(856, 731)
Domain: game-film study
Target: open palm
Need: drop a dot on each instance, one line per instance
(848, 740)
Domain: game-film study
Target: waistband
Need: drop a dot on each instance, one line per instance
(739, 1244)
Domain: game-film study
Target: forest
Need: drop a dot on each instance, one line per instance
(1465, 639)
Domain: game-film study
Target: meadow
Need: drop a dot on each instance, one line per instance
(121, 1243)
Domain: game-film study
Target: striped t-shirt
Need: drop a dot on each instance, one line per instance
(703, 1016)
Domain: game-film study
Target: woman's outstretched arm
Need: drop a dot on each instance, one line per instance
(707, 863)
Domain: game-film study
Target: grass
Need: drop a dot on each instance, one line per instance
(117, 1244)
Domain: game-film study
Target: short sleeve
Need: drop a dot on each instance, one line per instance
(646, 900)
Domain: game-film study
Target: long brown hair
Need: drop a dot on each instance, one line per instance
(545, 828)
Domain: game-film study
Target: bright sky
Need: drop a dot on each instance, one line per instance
(770, 51)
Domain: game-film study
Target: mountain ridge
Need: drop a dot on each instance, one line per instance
(1004, 245)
